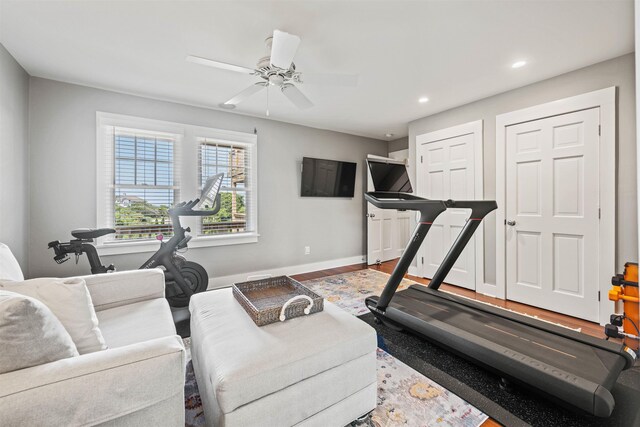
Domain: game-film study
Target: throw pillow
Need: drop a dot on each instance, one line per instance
(30, 334)
(70, 302)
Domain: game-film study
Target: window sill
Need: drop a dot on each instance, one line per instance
(122, 248)
(229, 239)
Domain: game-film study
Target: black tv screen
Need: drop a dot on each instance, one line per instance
(391, 177)
(327, 178)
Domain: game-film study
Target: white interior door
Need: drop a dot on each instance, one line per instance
(446, 171)
(552, 213)
(387, 230)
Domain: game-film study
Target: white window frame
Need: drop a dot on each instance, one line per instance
(185, 155)
(249, 191)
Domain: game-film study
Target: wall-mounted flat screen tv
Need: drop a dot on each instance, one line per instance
(327, 178)
(389, 176)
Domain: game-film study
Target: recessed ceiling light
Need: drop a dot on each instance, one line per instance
(388, 135)
(519, 64)
(423, 99)
(227, 106)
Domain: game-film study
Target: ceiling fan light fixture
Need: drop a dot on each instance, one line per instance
(276, 80)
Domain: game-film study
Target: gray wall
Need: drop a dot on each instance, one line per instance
(63, 157)
(399, 144)
(619, 72)
(14, 166)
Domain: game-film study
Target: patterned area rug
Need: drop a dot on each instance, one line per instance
(405, 397)
(194, 414)
(349, 290)
(408, 398)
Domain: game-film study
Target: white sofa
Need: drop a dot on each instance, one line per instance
(137, 381)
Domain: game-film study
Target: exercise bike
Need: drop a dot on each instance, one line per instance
(182, 278)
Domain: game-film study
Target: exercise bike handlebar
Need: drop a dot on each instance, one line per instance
(186, 208)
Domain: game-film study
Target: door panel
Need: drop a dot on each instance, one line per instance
(447, 172)
(568, 252)
(552, 210)
(404, 232)
(387, 237)
(529, 259)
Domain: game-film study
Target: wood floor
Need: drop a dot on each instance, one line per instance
(586, 327)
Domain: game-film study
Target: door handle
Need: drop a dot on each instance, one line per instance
(371, 215)
(511, 223)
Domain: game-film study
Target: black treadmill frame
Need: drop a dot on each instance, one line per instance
(527, 369)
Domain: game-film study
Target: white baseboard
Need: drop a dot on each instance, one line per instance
(225, 281)
(413, 271)
(488, 289)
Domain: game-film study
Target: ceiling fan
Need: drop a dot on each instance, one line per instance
(277, 69)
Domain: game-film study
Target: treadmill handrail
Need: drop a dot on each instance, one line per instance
(429, 211)
(479, 208)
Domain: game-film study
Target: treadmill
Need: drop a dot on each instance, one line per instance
(578, 369)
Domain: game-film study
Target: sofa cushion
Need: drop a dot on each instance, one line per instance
(137, 322)
(245, 362)
(70, 301)
(30, 334)
(9, 267)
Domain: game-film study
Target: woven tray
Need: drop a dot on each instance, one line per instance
(276, 299)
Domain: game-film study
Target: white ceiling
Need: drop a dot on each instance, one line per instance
(454, 52)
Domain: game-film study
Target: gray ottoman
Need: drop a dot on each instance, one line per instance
(316, 370)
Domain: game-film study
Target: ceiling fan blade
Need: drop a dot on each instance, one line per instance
(343, 80)
(248, 92)
(283, 49)
(218, 64)
(298, 98)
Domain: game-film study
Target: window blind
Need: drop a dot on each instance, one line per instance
(236, 214)
(144, 182)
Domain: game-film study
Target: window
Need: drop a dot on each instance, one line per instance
(146, 166)
(234, 160)
(144, 186)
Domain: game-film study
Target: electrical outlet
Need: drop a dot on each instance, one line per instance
(307, 250)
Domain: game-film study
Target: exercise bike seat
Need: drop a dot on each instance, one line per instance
(91, 233)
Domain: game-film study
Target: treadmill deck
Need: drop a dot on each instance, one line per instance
(580, 369)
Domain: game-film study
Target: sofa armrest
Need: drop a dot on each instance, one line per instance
(94, 387)
(124, 287)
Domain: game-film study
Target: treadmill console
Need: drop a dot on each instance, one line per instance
(403, 201)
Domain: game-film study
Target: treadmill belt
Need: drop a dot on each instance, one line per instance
(571, 356)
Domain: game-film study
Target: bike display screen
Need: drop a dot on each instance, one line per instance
(209, 192)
